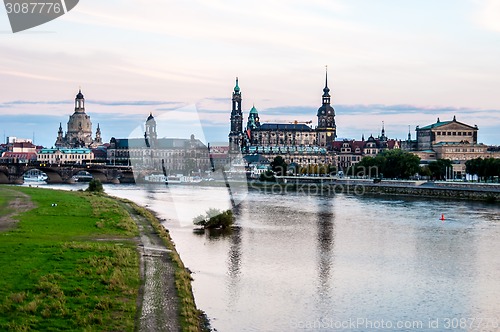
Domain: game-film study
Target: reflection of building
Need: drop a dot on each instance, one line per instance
(452, 140)
(79, 132)
(177, 155)
(296, 142)
(65, 156)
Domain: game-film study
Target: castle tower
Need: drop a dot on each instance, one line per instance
(236, 133)
(326, 129)
(150, 134)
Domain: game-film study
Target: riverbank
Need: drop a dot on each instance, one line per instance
(446, 190)
(71, 261)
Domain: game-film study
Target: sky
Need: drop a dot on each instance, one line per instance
(403, 63)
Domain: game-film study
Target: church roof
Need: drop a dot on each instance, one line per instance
(253, 110)
(79, 95)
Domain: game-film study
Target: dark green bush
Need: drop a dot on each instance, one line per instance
(215, 218)
(95, 186)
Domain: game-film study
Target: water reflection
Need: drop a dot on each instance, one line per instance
(294, 260)
(325, 240)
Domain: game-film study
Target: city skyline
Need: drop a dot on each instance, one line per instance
(404, 65)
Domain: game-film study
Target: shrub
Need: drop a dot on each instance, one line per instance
(95, 186)
(214, 218)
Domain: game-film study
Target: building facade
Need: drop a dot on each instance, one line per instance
(60, 156)
(297, 142)
(152, 154)
(451, 140)
(79, 132)
(350, 152)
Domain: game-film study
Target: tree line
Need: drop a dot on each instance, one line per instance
(391, 164)
(485, 169)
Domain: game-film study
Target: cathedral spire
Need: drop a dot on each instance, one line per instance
(326, 76)
(326, 90)
(236, 87)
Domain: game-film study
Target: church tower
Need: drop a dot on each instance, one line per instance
(326, 129)
(253, 119)
(98, 138)
(150, 134)
(60, 138)
(79, 132)
(236, 133)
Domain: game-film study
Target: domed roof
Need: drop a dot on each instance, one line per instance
(150, 117)
(254, 110)
(325, 109)
(79, 95)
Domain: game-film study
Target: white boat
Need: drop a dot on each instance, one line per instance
(156, 178)
(35, 175)
(82, 176)
(171, 179)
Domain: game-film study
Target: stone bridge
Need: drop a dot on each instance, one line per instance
(13, 172)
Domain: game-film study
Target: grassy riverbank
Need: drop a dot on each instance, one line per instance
(70, 262)
(72, 266)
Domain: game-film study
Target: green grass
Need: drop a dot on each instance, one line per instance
(72, 266)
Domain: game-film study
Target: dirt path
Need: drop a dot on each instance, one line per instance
(20, 203)
(158, 301)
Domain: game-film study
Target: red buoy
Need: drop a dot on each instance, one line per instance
(442, 217)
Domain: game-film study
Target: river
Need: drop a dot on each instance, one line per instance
(300, 262)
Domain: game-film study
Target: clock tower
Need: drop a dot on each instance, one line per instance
(236, 133)
(326, 129)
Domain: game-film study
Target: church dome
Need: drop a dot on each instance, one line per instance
(79, 95)
(253, 110)
(325, 109)
(150, 117)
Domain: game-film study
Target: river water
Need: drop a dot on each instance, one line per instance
(301, 262)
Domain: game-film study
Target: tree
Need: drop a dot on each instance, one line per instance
(389, 163)
(440, 168)
(279, 166)
(215, 218)
(95, 186)
(399, 164)
(484, 168)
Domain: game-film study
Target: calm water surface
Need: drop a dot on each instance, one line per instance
(348, 263)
